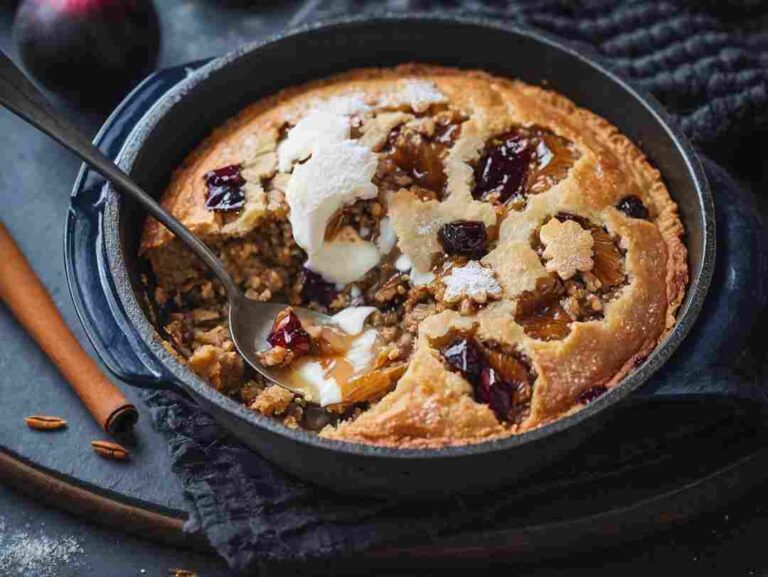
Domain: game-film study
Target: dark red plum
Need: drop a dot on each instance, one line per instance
(503, 168)
(464, 356)
(92, 50)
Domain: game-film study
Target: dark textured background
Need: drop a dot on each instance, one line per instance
(723, 545)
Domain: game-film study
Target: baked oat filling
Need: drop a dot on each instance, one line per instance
(494, 256)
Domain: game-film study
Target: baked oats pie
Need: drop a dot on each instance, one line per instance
(495, 256)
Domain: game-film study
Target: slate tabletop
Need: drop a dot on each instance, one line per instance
(35, 178)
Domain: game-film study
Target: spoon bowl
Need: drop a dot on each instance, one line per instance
(250, 323)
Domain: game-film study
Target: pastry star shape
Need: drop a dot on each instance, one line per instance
(568, 247)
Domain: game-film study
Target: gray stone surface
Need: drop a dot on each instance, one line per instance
(37, 541)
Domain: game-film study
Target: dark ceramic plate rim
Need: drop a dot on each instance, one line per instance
(686, 316)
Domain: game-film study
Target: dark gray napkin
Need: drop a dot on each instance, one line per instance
(709, 65)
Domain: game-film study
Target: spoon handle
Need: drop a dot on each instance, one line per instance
(20, 96)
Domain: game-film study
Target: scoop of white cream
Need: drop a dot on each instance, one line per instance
(338, 172)
(321, 387)
(345, 260)
(327, 123)
(336, 175)
(318, 128)
(318, 380)
(418, 278)
(352, 319)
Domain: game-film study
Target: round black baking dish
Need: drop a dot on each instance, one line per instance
(182, 117)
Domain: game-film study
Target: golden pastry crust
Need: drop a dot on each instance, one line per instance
(431, 406)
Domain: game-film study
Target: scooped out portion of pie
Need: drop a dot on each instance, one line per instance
(497, 256)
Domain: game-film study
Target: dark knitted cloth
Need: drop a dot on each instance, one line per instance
(708, 63)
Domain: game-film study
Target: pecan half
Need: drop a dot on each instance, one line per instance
(110, 450)
(45, 423)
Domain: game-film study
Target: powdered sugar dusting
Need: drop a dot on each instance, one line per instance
(23, 553)
(427, 228)
(345, 104)
(352, 319)
(419, 95)
(471, 281)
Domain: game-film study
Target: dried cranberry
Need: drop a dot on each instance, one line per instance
(497, 394)
(225, 188)
(592, 394)
(288, 333)
(463, 238)
(315, 289)
(633, 207)
(464, 356)
(504, 168)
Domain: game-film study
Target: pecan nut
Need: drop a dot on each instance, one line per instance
(110, 450)
(45, 423)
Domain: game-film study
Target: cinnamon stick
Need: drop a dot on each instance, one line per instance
(31, 304)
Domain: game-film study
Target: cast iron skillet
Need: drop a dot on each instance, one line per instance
(186, 114)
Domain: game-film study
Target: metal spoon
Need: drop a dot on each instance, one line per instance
(249, 321)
